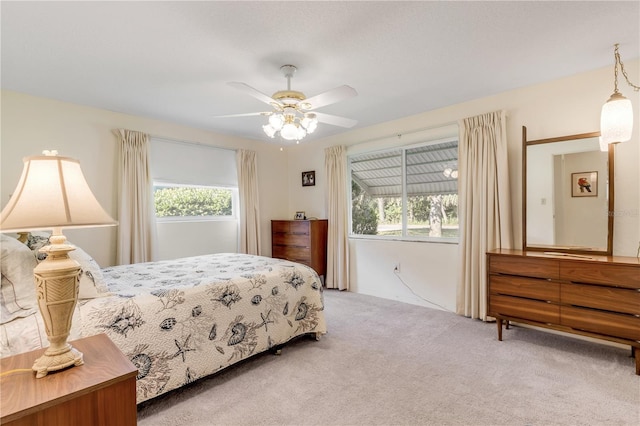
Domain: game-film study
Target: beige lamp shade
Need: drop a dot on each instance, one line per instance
(52, 193)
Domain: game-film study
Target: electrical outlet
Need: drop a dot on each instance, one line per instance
(396, 268)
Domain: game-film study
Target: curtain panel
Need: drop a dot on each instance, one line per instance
(249, 203)
(484, 207)
(337, 215)
(136, 211)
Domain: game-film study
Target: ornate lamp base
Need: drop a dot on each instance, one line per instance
(57, 281)
(49, 362)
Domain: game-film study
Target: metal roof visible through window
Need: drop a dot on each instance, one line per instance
(380, 173)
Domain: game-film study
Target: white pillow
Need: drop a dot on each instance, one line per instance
(10, 308)
(18, 285)
(92, 282)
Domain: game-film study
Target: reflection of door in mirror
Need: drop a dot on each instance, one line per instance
(581, 220)
(567, 195)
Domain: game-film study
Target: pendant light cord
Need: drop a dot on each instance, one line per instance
(624, 73)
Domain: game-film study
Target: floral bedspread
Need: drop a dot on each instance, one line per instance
(184, 319)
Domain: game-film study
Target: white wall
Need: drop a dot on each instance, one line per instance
(562, 107)
(424, 277)
(31, 124)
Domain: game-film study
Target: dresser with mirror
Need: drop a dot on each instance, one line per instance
(565, 278)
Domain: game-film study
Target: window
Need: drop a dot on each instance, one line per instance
(407, 193)
(189, 202)
(193, 182)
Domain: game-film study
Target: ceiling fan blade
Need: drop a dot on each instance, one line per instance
(329, 97)
(249, 114)
(335, 120)
(253, 92)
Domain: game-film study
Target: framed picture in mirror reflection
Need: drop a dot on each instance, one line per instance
(584, 184)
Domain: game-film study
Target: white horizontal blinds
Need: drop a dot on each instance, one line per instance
(192, 164)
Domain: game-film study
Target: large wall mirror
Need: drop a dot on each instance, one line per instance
(567, 194)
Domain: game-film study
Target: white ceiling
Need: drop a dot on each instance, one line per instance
(172, 60)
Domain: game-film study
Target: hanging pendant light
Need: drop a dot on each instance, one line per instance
(616, 119)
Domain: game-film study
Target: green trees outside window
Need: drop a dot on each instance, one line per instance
(427, 215)
(185, 201)
(364, 214)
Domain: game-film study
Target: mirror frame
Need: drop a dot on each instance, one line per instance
(525, 144)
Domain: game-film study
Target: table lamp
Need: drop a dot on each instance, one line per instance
(53, 194)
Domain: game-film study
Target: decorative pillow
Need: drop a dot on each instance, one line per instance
(17, 286)
(92, 282)
(37, 240)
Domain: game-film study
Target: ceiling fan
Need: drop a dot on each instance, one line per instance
(293, 113)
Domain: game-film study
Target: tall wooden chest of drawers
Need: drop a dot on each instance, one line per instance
(595, 296)
(303, 241)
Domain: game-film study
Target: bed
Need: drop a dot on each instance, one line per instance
(176, 320)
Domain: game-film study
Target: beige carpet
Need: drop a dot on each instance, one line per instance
(390, 363)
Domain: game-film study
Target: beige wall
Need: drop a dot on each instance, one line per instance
(561, 107)
(428, 270)
(31, 124)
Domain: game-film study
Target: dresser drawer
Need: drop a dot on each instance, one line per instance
(607, 298)
(290, 227)
(294, 240)
(525, 287)
(295, 254)
(301, 227)
(524, 308)
(593, 273)
(610, 324)
(280, 226)
(524, 266)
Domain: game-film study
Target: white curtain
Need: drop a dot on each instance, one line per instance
(136, 212)
(484, 206)
(335, 163)
(249, 210)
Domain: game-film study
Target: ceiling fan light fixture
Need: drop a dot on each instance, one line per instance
(276, 121)
(269, 130)
(301, 133)
(291, 117)
(450, 173)
(309, 122)
(290, 132)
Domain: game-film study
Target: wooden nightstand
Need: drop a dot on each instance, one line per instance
(100, 392)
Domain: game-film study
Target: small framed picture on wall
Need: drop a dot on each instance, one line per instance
(584, 184)
(309, 178)
(299, 216)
